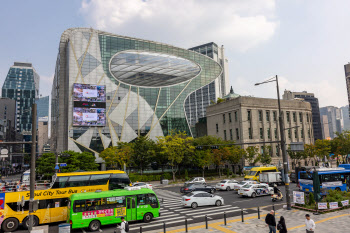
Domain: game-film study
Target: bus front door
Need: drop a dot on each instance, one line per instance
(131, 209)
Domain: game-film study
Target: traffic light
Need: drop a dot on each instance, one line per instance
(199, 147)
(214, 147)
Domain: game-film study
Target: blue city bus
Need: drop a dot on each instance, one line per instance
(330, 178)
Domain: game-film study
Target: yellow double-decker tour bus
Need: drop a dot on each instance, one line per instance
(14, 206)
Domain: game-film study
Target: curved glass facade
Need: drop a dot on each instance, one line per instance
(147, 69)
(146, 86)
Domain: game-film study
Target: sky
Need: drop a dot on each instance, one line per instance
(304, 42)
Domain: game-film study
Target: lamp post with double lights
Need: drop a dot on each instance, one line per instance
(283, 142)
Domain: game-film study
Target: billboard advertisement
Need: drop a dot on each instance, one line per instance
(89, 105)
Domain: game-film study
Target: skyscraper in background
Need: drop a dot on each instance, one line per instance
(346, 119)
(22, 85)
(43, 106)
(43, 121)
(197, 102)
(347, 79)
(332, 119)
(308, 97)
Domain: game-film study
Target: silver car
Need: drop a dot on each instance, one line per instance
(226, 184)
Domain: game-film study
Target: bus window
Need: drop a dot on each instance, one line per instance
(115, 202)
(79, 206)
(60, 182)
(133, 203)
(152, 200)
(76, 181)
(119, 181)
(99, 179)
(142, 199)
(93, 204)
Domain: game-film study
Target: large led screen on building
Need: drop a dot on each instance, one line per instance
(89, 93)
(89, 105)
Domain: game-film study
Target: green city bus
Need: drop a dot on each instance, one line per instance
(107, 207)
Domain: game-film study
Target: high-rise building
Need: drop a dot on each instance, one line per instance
(43, 133)
(22, 85)
(8, 110)
(347, 79)
(109, 88)
(197, 102)
(308, 97)
(346, 119)
(43, 106)
(334, 118)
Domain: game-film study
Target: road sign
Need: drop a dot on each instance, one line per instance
(63, 165)
(4, 151)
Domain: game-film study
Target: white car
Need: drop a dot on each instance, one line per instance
(244, 182)
(253, 190)
(196, 180)
(200, 198)
(142, 185)
(226, 184)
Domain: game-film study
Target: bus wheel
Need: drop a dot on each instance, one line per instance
(337, 189)
(94, 225)
(148, 217)
(10, 224)
(25, 222)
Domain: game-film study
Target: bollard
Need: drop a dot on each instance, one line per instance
(186, 225)
(273, 207)
(258, 212)
(140, 229)
(206, 222)
(164, 230)
(242, 215)
(225, 218)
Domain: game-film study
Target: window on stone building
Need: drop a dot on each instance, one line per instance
(288, 116)
(260, 115)
(217, 128)
(261, 133)
(248, 115)
(225, 138)
(250, 133)
(274, 116)
(267, 115)
(301, 116)
(231, 136)
(289, 134)
(236, 116)
(294, 116)
(296, 133)
(237, 134)
(223, 118)
(276, 135)
(229, 117)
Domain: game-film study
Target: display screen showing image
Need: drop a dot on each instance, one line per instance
(89, 116)
(89, 93)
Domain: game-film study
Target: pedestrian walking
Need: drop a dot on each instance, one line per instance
(124, 226)
(281, 226)
(271, 221)
(310, 224)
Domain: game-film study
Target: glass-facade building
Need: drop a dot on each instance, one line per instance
(43, 106)
(146, 84)
(198, 101)
(22, 85)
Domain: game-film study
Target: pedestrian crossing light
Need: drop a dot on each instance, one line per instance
(214, 147)
(199, 147)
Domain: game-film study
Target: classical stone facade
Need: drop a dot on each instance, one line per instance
(254, 122)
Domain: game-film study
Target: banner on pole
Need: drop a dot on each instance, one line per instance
(322, 205)
(298, 197)
(333, 205)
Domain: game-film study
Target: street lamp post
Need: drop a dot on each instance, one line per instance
(283, 142)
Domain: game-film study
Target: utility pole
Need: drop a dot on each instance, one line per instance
(282, 141)
(32, 169)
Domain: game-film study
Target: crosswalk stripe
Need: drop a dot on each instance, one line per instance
(213, 207)
(167, 216)
(231, 211)
(207, 210)
(174, 204)
(158, 224)
(167, 213)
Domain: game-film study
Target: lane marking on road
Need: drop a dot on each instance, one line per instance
(99, 230)
(206, 210)
(159, 224)
(167, 216)
(83, 231)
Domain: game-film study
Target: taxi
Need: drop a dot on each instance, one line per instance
(254, 190)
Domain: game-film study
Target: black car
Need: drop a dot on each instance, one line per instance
(293, 177)
(197, 187)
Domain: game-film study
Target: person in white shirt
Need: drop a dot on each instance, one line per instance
(310, 224)
(122, 225)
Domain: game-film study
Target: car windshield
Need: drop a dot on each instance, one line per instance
(188, 185)
(223, 181)
(242, 183)
(189, 194)
(247, 186)
(251, 173)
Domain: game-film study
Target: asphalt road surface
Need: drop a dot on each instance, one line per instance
(173, 214)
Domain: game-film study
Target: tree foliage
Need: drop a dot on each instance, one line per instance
(143, 150)
(252, 155)
(115, 157)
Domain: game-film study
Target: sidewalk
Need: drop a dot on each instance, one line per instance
(337, 222)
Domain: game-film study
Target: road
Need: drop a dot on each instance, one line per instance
(173, 214)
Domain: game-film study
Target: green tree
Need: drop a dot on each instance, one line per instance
(252, 155)
(115, 157)
(323, 148)
(203, 159)
(220, 157)
(236, 155)
(144, 149)
(310, 152)
(175, 146)
(340, 145)
(265, 156)
(78, 161)
(296, 156)
(45, 165)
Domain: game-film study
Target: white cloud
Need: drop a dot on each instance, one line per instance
(326, 92)
(45, 85)
(237, 24)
